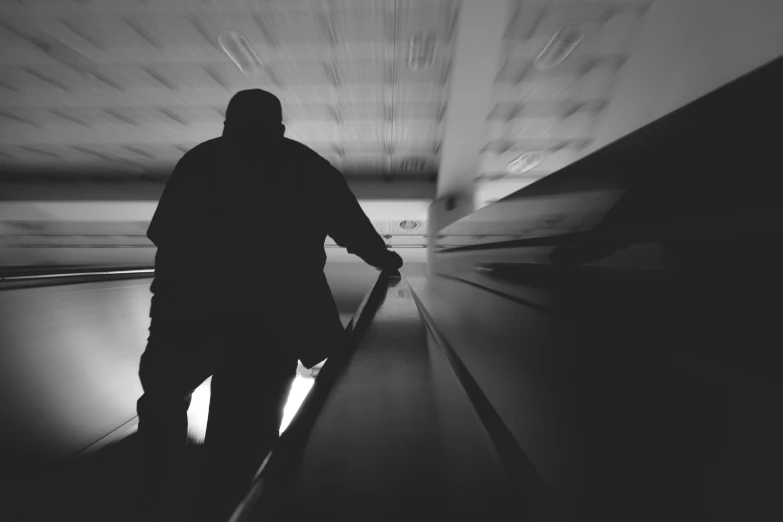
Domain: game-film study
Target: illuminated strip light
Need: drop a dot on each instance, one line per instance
(61, 245)
(80, 274)
(239, 50)
(421, 54)
(559, 47)
(525, 162)
(392, 246)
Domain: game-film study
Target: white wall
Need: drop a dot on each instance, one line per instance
(686, 49)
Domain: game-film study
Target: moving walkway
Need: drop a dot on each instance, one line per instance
(599, 345)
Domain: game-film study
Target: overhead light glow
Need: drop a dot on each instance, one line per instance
(409, 224)
(560, 46)
(239, 50)
(525, 162)
(421, 54)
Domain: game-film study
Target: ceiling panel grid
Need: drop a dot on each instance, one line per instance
(145, 74)
(553, 110)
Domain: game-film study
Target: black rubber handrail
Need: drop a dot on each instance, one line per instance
(540, 499)
(282, 461)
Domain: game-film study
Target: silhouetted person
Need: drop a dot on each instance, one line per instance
(240, 294)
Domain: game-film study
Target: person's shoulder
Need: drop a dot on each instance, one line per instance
(203, 149)
(198, 155)
(314, 166)
(302, 151)
(296, 147)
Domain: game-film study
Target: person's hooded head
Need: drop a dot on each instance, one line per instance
(254, 116)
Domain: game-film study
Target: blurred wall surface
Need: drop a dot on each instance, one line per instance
(68, 361)
(686, 49)
(69, 358)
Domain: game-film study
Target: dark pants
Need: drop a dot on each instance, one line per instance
(251, 378)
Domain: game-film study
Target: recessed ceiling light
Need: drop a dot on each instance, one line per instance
(421, 54)
(560, 46)
(239, 50)
(525, 162)
(409, 224)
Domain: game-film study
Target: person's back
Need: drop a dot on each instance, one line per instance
(242, 222)
(218, 216)
(240, 292)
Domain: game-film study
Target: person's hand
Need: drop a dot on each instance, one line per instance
(393, 261)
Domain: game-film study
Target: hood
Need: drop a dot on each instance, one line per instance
(253, 121)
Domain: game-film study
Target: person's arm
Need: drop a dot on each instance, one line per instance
(172, 222)
(349, 226)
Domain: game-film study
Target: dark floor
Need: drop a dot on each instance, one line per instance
(103, 488)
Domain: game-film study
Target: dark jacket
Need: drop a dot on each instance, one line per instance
(240, 236)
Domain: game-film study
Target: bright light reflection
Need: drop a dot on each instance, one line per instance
(198, 412)
(299, 391)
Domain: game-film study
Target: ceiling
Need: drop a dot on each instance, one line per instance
(124, 87)
(555, 111)
(128, 86)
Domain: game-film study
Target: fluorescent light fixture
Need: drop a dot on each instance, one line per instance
(560, 46)
(239, 50)
(409, 224)
(421, 54)
(78, 274)
(525, 162)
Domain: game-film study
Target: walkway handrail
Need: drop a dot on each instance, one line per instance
(282, 461)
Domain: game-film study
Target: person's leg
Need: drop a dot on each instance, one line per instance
(175, 362)
(246, 409)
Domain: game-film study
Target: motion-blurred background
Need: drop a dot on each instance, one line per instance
(432, 109)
